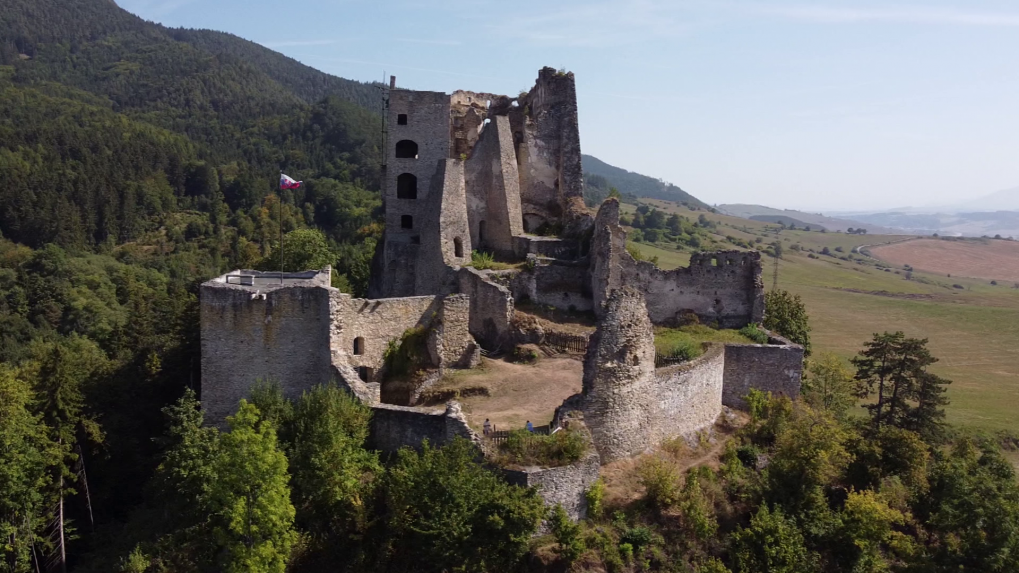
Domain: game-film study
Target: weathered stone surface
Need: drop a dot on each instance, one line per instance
(689, 396)
(619, 378)
(491, 308)
(493, 185)
(776, 367)
(559, 284)
(395, 427)
(565, 485)
(723, 287)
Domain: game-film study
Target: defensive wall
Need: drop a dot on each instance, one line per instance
(565, 485)
(776, 367)
(724, 288)
(395, 427)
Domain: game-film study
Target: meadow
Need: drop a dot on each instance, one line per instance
(973, 326)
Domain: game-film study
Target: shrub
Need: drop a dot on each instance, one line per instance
(660, 480)
(595, 495)
(570, 545)
(754, 332)
(404, 356)
(525, 353)
(526, 448)
(482, 260)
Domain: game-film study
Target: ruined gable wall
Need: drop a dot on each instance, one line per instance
(689, 395)
(378, 322)
(776, 367)
(442, 223)
(450, 341)
(249, 334)
(619, 378)
(491, 307)
(428, 125)
(551, 175)
(493, 188)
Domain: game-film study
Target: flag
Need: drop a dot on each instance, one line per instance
(286, 182)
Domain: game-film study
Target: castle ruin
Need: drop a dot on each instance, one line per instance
(476, 171)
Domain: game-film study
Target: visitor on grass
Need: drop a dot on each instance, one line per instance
(529, 426)
(488, 427)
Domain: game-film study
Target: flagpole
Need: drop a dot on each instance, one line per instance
(280, 193)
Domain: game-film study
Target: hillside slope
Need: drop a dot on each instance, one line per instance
(768, 214)
(628, 182)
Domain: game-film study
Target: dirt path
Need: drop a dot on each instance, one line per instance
(519, 392)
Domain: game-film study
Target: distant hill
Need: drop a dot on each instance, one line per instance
(979, 224)
(1005, 200)
(762, 213)
(784, 220)
(628, 182)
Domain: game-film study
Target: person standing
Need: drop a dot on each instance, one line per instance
(488, 427)
(529, 426)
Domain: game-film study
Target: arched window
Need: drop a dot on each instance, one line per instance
(406, 222)
(359, 346)
(406, 149)
(406, 186)
(458, 247)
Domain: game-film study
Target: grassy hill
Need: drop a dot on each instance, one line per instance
(630, 183)
(768, 214)
(850, 296)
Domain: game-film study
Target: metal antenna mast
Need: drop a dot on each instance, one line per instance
(774, 278)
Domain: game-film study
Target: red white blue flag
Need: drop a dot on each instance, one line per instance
(286, 182)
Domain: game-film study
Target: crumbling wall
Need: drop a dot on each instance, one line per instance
(249, 334)
(493, 189)
(450, 342)
(395, 427)
(723, 287)
(444, 232)
(375, 322)
(548, 151)
(619, 378)
(558, 284)
(491, 308)
(565, 485)
(689, 395)
(776, 367)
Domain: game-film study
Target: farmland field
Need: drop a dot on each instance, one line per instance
(974, 330)
(987, 259)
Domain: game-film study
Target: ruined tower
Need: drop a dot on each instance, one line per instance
(472, 170)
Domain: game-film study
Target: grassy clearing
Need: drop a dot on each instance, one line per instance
(689, 340)
(973, 330)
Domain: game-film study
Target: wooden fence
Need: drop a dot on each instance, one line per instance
(663, 360)
(565, 342)
(499, 436)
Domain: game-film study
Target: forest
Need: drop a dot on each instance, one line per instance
(137, 161)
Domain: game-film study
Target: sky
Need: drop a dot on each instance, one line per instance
(806, 104)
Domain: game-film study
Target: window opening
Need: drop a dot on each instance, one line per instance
(359, 346)
(406, 186)
(406, 222)
(406, 149)
(401, 119)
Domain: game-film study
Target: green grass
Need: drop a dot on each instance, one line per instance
(974, 331)
(667, 340)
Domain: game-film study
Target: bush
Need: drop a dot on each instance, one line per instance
(754, 332)
(660, 480)
(570, 545)
(526, 448)
(482, 260)
(595, 495)
(525, 353)
(406, 355)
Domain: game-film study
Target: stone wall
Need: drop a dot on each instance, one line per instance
(491, 308)
(444, 232)
(619, 378)
(493, 189)
(450, 342)
(776, 367)
(566, 485)
(689, 395)
(251, 333)
(395, 427)
(428, 126)
(560, 284)
(723, 287)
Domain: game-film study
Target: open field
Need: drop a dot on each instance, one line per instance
(988, 259)
(517, 392)
(973, 330)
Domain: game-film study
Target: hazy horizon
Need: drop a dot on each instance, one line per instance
(820, 107)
